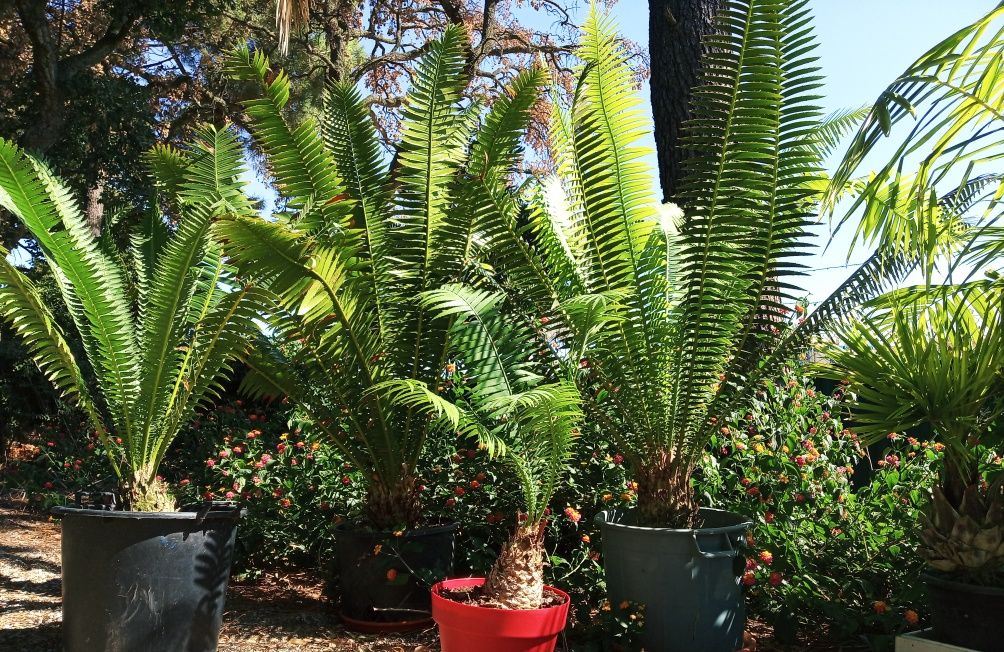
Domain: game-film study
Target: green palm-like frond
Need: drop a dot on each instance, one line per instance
(157, 361)
(769, 217)
(23, 308)
(954, 95)
(90, 284)
(302, 167)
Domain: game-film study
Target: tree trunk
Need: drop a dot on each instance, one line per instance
(394, 506)
(95, 209)
(516, 581)
(665, 497)
(676, 29)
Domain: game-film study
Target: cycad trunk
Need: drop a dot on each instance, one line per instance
(145, 493)
(394, 506)
(516, 581)
(665, 497)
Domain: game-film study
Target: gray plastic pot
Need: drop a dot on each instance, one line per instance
(145, 581)
(688, 580)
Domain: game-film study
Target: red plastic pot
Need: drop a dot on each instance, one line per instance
(465, 627)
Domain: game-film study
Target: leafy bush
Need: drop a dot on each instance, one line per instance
(834, 541)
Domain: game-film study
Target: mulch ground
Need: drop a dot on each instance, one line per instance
(275, 613)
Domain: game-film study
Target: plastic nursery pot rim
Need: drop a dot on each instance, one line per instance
(217, 511)
(948, 583)
(389, 627)
(741, 522)
(464, 582)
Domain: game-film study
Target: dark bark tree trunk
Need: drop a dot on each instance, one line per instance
(676, 29)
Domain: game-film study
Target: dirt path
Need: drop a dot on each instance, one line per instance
(275, 614)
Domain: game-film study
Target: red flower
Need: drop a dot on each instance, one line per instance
(751, 564)
(573, 514)
(766, 557)
(474, 484)
(450, 502)
(284, 503)
(47, 485)
(277, 492)
(265, 458)
(749, 579)
(280, 447)
(185, 482)
(229, 495)
(459, 491)
(238, 450)
(775, 578)
(880, 607)
(800, 460)
(769, 517)
(224, 453)
(911, 617)
(391, 575)
(618, 459)
(50, 444)
(210, 463)
(745, 482)
(753, 491)
(799, 498)
(346, 480)
(299, 444)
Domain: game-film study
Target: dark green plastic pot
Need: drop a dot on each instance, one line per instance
(967, 615)
(688, 580)
(150, 581)
(386, 578)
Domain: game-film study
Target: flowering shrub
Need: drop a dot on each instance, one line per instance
(835, 537)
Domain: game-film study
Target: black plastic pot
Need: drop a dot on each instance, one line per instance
(688, 580)
(386, 578)
(145, 581)
(967, 615)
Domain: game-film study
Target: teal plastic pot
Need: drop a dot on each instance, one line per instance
(688, 580)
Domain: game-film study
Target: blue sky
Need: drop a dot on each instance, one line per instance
(863, 45)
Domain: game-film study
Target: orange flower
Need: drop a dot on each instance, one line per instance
(911, 617)
(391, 575)
(880, 607)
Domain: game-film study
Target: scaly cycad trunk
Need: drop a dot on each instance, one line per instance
(394, 506)
(665, 497)
(516, 581)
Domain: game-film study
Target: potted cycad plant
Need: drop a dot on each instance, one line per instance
(698, 292)
(363, 237)
(157, 325)
(933, 355)
(934, 358)
(531, 424)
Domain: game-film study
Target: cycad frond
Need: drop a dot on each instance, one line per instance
(23, 308)
(210, 185)
(752, 119)
(954, 94)
(90, 284)
(302, 167)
